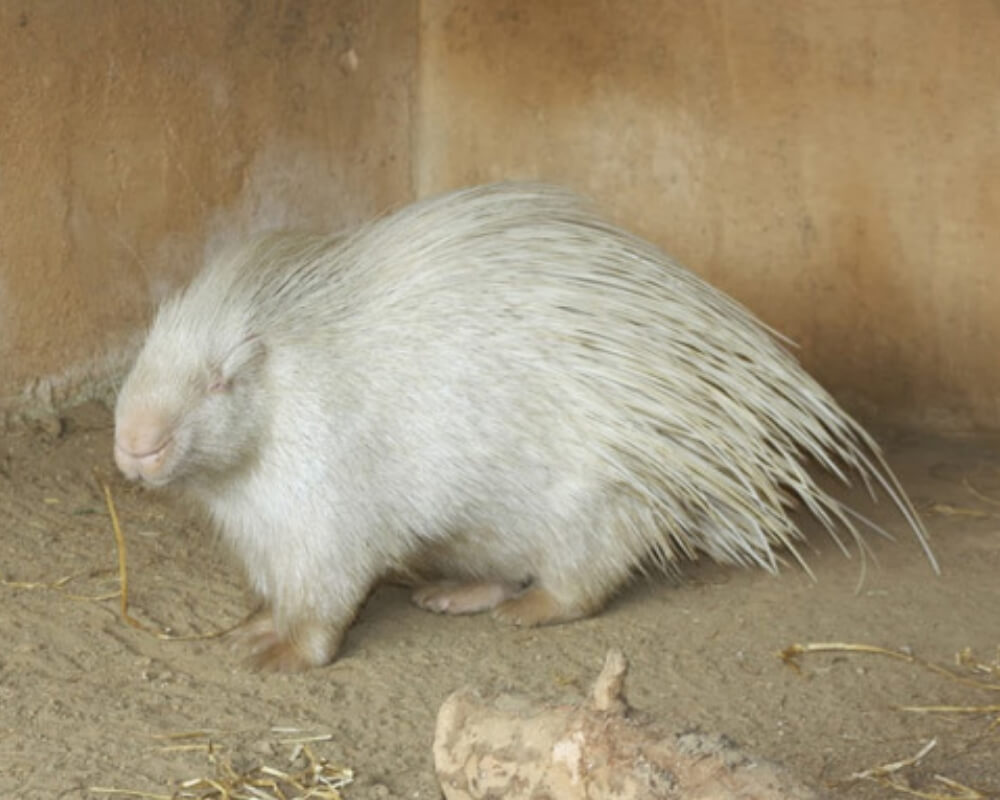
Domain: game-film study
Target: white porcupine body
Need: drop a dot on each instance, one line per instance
(496, 382)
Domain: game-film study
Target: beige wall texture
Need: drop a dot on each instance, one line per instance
(834, 164)
(134, 135)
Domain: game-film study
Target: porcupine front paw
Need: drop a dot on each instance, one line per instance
(302, 646)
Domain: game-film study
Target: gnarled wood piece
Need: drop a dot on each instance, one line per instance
(510, 747)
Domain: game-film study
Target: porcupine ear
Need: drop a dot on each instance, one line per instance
(237, 363)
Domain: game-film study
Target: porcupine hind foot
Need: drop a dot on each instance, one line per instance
(536, 605)
(453, 597)
(528, 608)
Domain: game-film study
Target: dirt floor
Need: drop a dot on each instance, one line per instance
(87, 701)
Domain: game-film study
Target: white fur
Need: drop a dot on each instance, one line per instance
(496, 379)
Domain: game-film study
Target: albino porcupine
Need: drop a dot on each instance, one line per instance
(495, 384)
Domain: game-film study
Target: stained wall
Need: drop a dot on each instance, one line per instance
(834, 164)
(135, 136)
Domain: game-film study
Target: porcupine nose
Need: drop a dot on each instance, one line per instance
(142, 443)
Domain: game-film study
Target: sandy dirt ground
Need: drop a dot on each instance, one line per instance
(87, 701)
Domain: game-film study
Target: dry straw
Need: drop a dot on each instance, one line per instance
(307, 776)
(123, 581)
(890, 775)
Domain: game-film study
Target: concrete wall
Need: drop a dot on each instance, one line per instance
(136, 134)
(835, 164)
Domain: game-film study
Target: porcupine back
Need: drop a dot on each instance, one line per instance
(691, 404)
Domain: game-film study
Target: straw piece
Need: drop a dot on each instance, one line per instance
(123, 583)
(792, 652)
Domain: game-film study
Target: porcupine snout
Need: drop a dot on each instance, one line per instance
(143, 440)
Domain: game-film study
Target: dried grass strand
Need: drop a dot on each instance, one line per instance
(60, 583)
(886, 775)
(122, 568)
(123, 583)
(978, 494)
(959, 790)
(885, 770)
(794, 651)
(946, 709)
